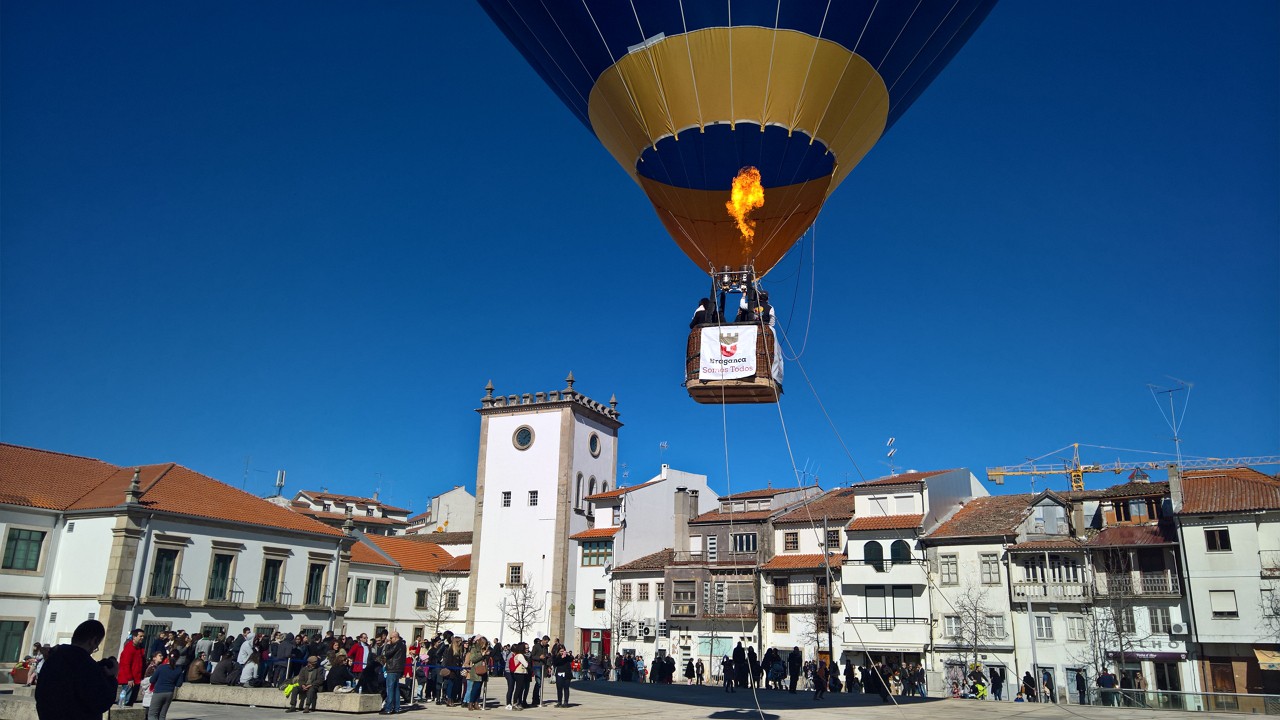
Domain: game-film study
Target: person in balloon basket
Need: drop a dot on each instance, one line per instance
(309, 680)
(72, 685)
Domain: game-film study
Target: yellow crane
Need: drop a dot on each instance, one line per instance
(1075, 470)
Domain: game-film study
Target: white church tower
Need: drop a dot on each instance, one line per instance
(540, 455)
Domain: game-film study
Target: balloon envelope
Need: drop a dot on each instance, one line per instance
(684, 94)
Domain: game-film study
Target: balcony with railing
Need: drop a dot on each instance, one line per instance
(1160, 583)
(228, 593)
(723, 557)
(163, 587)
(884, 572)
(275, 597)
(909, 630)
(316, 600)
(721, 610)
(1052, 591)
(798, 598)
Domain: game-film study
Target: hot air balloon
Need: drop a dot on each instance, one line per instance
(686, 95)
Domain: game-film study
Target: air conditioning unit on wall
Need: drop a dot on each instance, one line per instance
(1178, 629)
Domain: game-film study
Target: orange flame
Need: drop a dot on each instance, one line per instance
(747, 195)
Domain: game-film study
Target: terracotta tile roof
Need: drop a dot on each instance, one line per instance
(595, 534)
(1129, 489)
(334, 497)
(362, 553)
(49, 480)
(1056, 544)
(910, 478)
(765, 493)
(411, 554)
(654, 561)
(54, 481)
(339, 517)
(716, 516)
(619, 492)
(987, 516)
(834, 505)
(1228, 490)
(887, 522)
(1123, 535)
(801, 562)
(460, 564)
(442, 538)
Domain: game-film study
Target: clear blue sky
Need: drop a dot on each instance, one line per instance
(309, 233)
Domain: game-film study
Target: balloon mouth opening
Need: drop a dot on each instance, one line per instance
(709, 158)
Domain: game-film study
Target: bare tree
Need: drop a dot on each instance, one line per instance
(1270, 607)
(521, 608)
(441, 606)
(975, 632)
(620, 614)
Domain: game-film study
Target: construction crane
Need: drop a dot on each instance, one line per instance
(1076, 471)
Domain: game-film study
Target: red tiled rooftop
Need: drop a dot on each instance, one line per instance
(460, 564)
(1056, 544)
(758, 494)
(619, 492)
(833, 505)
(334, 497)
(1228, 490)
(716, 516)
(340, 517)
(362, 553)
(801, 562)
(987, 516)
(54, 481)
(411, 554)
(595, 534)
(887, 522)
(442, 538)
(1124, 535)
(910, 478)
(653, 561)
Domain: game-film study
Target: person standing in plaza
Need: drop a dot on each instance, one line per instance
(562, 666)
(537, 664)
(794, 661)
(519, 664)
(393, 654)
(164, 681)
(1082, 687)
(820, 680)
(72, 686)
(131, 666)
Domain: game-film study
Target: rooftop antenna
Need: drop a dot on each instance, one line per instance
(279, 483)
(625, 472)
(244, 481)
(893, 469)
(662, 448)
(1172, 418)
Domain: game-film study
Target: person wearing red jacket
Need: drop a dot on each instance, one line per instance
(359, 653)
(131, 663)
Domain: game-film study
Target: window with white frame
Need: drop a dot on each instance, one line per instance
(1223, 604)
(451, 599)
(1044, 627)
(949, 566)
(660, 590)
(515, 574)
(1124, 621)
(1160, 623)
(597, 599)
(1075, 628)
(990, 563)
(790, 541)
(506, 498)
(624, 592)
(597, 553)
(642, 591)
(712, 541)
(951, 626)
(533, 498)
(744, 542)
(995, 626)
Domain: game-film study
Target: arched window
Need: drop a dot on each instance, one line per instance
(900, 552)
(604, 486)
(591, 490)
(577, 493)
(873, 555)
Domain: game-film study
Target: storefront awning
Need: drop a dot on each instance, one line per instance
(1134, 655)
(1268, 659)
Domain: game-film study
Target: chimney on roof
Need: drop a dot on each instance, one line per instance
(375, 496)
(348, 525)
(1175, 487)
(133, 495)
(681, 539)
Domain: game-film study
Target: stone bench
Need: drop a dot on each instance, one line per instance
(22, 706)
(273, 698)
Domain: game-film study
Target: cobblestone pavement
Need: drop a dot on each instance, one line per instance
(609, 701)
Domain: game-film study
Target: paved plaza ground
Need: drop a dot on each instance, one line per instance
(610, 700)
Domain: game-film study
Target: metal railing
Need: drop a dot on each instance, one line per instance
(1065, 591)
(730, 610)
(1253, 704)
(232, 593)
(885, 565)
(1147, 583)
(886, 624)
(276, 596)
(172, 587)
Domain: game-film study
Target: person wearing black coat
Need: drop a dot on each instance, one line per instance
(72, 686)
(1029, 687)
(794, 661)
(740, 667)
(340, 675)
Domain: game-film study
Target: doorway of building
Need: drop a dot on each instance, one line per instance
(1047, 682)
(1168, 678)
